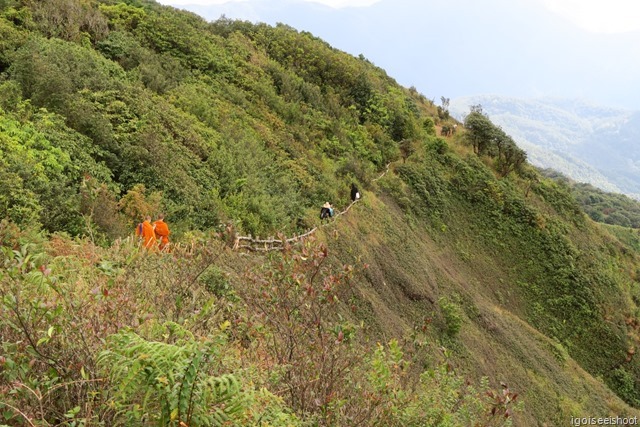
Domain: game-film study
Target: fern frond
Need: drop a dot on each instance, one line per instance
(169, 383)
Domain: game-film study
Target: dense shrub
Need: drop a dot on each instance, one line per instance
(119, 337)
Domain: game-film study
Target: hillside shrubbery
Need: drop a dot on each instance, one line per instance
(218, 117)
(118, 337)
(566, 281)
(113, 110)
(601, 206)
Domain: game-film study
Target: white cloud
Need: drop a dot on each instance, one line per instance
(336, 4)
(600, 16)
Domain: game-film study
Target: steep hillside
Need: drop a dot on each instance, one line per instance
(226, 120)
(422, 281)
(465, 287)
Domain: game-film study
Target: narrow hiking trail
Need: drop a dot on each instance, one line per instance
(252, 244)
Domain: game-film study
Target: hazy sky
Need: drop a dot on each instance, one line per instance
(607, 16)
(586, 49)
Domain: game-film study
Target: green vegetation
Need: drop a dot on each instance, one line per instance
(70, 355)
(571, 284)
(463, 280)
(488, 139)
(168, 382)
(228, 121)
(601, 206)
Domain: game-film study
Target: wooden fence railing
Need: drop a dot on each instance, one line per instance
(274, 244)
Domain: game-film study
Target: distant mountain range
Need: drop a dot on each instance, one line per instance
(586, 142)
(455, 48)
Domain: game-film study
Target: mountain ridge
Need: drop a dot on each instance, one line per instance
(541, 68)
(578, 138)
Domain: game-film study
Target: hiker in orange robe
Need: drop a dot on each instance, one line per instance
(162, 232)
(144, 230)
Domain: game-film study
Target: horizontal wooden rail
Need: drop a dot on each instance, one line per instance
(273, 244)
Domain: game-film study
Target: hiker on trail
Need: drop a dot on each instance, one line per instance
(162, 232)
(355, 194)
(326, 211)
(145, 231)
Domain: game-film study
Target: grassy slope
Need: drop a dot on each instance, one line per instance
(410, 271)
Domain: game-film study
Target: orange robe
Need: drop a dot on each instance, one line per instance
(145, 231)
(162, 232)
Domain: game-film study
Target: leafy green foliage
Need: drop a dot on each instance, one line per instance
(122, 16)
(296, 299)
(488, 139)
(133, 339)
(601, 206)
(52, 71)
(68, 310)
(73, 20)
(218, 117)
(452, 317)
(440, 398)
(12, 38)
(43, 163)
(169, 383)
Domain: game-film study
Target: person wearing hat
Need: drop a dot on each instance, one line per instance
(326, 211)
